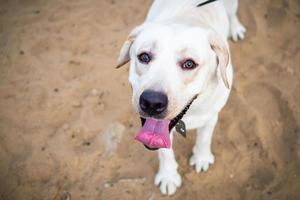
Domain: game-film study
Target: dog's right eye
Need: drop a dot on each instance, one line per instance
(188, 64)
(144, 58)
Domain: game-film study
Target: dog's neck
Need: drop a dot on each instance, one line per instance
(208, 15)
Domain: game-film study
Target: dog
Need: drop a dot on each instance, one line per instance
(181, 73)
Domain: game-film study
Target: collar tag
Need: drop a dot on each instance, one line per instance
(180, 128)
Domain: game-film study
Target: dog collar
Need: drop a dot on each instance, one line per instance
(179, 123)
(205, 2)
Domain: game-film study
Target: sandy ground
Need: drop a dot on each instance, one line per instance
(67, 125)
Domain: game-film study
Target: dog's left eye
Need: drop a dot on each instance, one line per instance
(144, 58)
(188, 64)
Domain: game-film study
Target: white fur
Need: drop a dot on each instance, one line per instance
(174, 30)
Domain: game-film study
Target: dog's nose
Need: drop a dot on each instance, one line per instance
(153, 103)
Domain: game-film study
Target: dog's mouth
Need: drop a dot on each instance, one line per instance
(154, 133)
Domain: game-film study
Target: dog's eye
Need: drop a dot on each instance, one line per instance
(144, 58)
(188, 65)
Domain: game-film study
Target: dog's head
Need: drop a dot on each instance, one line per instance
(169, 66)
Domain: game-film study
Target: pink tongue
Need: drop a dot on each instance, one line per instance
(155, 133)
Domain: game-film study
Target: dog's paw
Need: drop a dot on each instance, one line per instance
(167, 181)
(237, 30)
(201, 162)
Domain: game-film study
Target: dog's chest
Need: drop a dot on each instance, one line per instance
(197, 116)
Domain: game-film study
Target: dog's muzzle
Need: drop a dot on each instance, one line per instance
(155, 132)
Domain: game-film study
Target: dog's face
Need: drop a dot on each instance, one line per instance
(169, 65)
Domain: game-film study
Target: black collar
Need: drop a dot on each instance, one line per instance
(205, 2)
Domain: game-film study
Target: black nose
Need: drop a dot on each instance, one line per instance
(153, 103)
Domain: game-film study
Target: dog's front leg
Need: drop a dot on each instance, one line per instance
(202, 156)
(167, 177)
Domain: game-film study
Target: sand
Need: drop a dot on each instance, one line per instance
(67, 124)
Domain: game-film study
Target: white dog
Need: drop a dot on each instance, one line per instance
(180, 71)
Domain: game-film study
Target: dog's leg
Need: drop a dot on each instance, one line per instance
(202, 155)
(237, 30)
(167, 177)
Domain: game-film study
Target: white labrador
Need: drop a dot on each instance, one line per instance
(178, 53)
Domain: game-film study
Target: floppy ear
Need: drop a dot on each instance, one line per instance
(124, 53)
(124, 56)
(221, 50)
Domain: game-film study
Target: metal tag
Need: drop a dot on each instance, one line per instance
(180, 128)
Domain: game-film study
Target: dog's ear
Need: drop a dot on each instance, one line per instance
(124, 56)
(222, 52)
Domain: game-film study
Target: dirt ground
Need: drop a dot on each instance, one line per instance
(67, 125)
